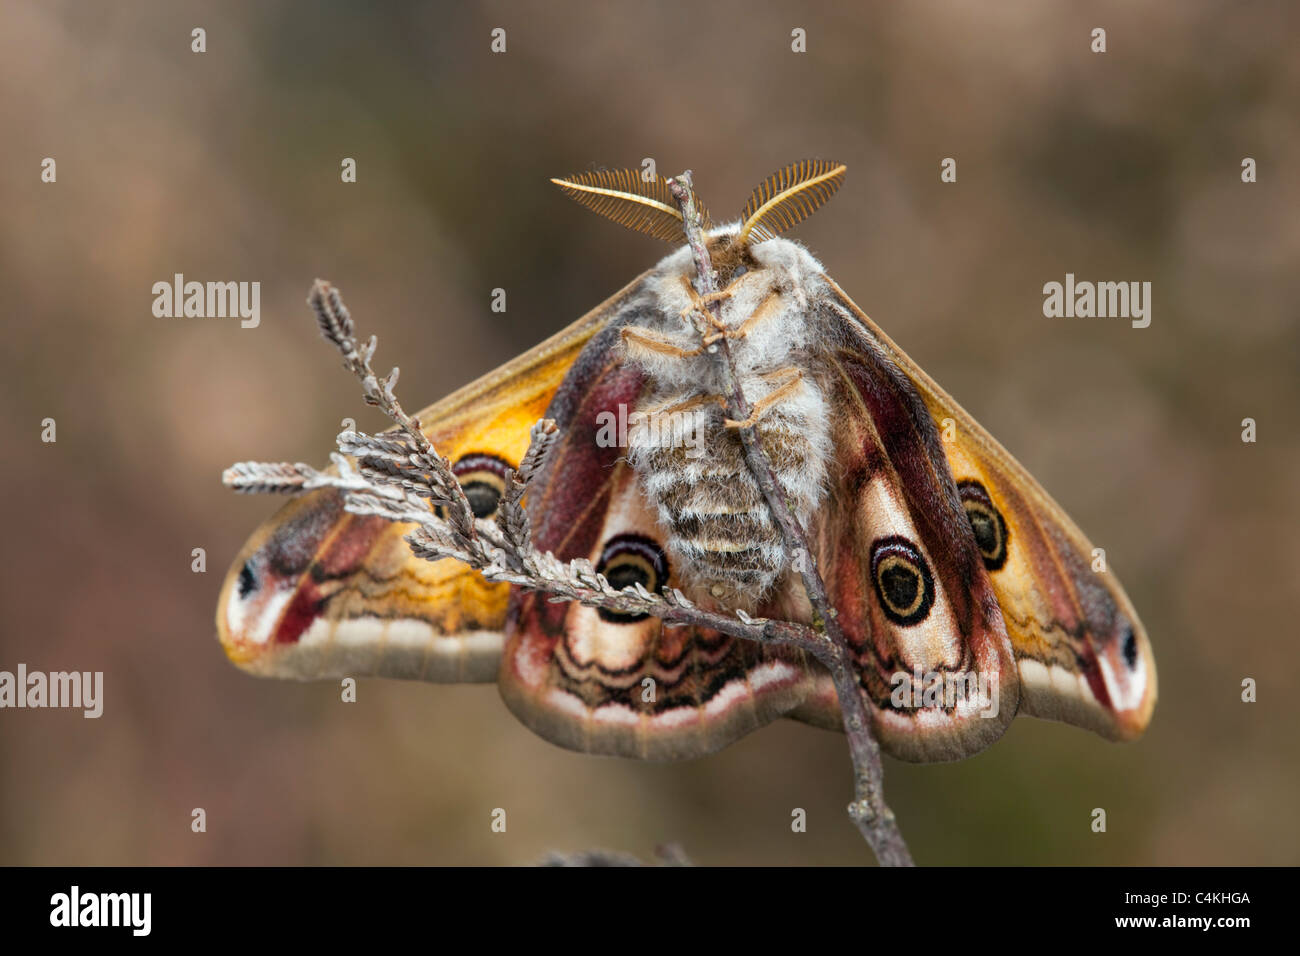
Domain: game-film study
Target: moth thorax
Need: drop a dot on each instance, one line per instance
(722, 540)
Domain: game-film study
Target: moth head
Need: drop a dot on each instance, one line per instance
(787, 197)
(731, 257)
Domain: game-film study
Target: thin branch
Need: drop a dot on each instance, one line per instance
(509, 558)
(868, 810)
(400, 476)
(336, 326)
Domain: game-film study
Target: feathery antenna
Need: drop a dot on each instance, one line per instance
(622, 195)
(789, 196)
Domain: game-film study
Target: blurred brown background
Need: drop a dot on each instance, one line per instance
(225, 165)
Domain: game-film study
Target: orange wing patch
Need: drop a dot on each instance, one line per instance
(319, 593)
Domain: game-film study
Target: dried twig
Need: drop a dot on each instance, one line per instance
(399, 476)
(869, 812)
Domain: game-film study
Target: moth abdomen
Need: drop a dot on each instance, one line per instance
(719, 528)
(683, 442)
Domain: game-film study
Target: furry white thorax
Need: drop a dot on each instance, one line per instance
(721, 535)
(785, 265)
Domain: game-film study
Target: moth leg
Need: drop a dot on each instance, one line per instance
(700, 305)
(687, 404)
(793, 382)
(703, 302)
(644, 340)
(769, 307)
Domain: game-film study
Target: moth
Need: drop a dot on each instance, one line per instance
(942, 556)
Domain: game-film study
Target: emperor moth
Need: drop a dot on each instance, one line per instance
(940, 553)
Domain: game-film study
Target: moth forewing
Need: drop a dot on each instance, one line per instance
(1082, 653)
(317, 593)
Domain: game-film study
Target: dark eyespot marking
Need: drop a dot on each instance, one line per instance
(987, 522)
(247, 580)
(902, 580)
(1130, 648)
(484, 479)
(628, 560)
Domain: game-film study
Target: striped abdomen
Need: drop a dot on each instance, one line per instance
(721, 536)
